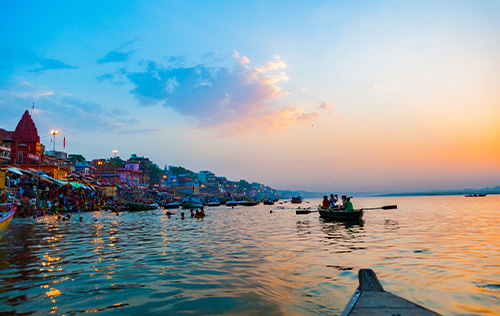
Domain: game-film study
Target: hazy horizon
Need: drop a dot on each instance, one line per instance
(323, 96)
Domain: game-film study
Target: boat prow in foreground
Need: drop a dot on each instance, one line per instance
(371, 299)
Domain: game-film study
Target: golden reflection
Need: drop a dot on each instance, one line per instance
(53, 292)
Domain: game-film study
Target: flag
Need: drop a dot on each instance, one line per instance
(64, 142)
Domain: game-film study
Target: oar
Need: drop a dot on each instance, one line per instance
(386, 207)
(304, 211)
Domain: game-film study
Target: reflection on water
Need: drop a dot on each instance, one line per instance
(441, 252)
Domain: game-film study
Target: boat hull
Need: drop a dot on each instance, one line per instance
(133, 206)
(7, 217)
(341, 215)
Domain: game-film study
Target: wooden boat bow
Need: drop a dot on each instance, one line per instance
(370, 298)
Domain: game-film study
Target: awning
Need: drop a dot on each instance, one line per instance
(15, 170)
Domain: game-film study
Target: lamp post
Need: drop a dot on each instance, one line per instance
(54, 132)
(99, 164)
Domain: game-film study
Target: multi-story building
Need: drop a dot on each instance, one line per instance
(206, 176)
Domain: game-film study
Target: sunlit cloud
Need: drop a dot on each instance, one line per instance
(216, 95)
(325, 106)
(380, 87)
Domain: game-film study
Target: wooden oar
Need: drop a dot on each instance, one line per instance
(386, 207)
(304, 211)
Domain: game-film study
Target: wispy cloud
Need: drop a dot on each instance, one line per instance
(113, 57)
(58, 109)
(50, 64)
(216, 95)
(9, 58)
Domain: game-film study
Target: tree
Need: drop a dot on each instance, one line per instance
(116, 161)
(74, 158)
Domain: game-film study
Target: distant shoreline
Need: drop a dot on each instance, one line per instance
(285, 194)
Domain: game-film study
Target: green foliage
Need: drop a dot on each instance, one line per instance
(155, 172)
(176, 171)
(242, 184)
(116, 161)
(74, 158)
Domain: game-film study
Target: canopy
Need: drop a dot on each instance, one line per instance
(15, 170)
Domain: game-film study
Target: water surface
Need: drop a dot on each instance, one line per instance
(440, 252)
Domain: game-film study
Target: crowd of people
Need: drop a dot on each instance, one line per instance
(331, 203)
(37, 197)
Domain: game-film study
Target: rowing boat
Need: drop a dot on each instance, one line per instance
(134, 206)
(6, 217)
(340, 214)
(370, 298)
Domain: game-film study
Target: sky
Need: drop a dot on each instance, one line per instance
(319, 96)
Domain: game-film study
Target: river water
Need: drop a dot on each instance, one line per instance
(441, 252)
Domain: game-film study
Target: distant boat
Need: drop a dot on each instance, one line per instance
(192, 202)
(249, 202)
(296, 200)
(6, 217)
(475, 195)
(174, 204)
(134, 206)
(268, 201)
(232, 203)
(213, 202)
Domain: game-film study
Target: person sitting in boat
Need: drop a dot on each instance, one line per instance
(333, 200)
(326, 202)
(348, 205)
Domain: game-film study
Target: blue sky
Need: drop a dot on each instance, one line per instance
(329, 95)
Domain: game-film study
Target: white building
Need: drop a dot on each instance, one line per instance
(206, 176)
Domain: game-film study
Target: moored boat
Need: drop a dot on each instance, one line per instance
(268, 201)
(6, 217)
(249, 202)
(475, 195)
(134, 206)
(232, 203)
(213, 202)
(370, 298)
(173, 204)
(340, 214)
(192, 202)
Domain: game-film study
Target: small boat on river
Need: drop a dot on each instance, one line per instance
(475, 195)
(213, 202)
(192, 202)
(340, 214)
(249, 202)
(173, 204)
(232, 203)
(370, 298)
(6, 217)
(268, 201)
(296, 200)
(134, 206)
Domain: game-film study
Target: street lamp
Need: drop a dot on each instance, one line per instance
(54, 132)
(99, 164)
